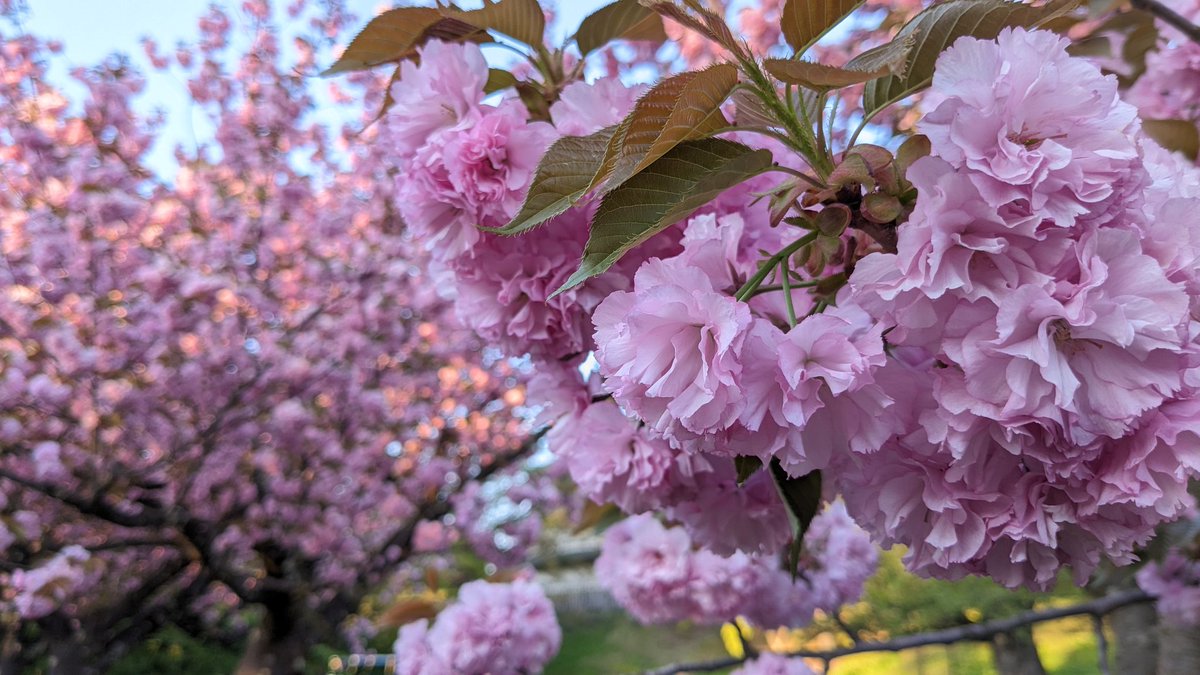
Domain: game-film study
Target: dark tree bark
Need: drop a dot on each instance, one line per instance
(1136, 633)
(280, 644)
(1016, 654)
(1178, 649)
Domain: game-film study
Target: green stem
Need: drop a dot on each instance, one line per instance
(787, 291)
(775, 288)
(798, 174)
(805, 140)
(755, 281)
(765, 131)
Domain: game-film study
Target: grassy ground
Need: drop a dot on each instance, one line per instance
(618, 645)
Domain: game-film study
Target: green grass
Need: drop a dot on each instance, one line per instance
(617, 644)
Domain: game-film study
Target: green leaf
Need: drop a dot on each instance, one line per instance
(521, 20)
(878, 207)
(936, 28)
(806, 21)
(1177, 135)
(818, 76)
(395, 35)
(746, 466)
(686, 178)
(680, 108)
(916, 147)
(802, 497)
(499, 79)
(562, 178)
(621, 20)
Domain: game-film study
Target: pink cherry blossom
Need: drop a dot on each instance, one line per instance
(671, 350)
(585, 108)
(437, 92)
(1041, 133)
(774, 664)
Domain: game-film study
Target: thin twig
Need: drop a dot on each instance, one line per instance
(1101, 643)
(980, 632)
(1169, 16)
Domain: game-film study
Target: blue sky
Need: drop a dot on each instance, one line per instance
(90, 30)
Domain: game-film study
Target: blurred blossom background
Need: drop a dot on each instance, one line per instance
(236, 406)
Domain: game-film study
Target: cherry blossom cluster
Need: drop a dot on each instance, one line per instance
(1008, 393)
(489, 628)
(1040, 309)
(658, 575)
(1169, 89)
(1176, 582)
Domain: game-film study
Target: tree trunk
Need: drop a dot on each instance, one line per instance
(1178, 649)
(1016, 654)
(1136, 638)
(279, 645)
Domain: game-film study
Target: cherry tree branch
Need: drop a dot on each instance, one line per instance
(96, 506)
(1169, 16)
(980, 632)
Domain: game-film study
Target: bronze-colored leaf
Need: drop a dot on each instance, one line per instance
(818, 76)
(1176, 135)
(750, 111)
(806, 21)
(878, 207)
(697, 18)
(621, 20)
(522, 20)
(407, 611)
(684, 107)
(395, 35)
(938, 26)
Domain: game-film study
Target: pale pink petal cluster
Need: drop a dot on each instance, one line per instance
(437, 91)
(470, 175)
(774, 664)
(1039, 133)
(1176, 583)
(671, 350)
(490, 629)
(659, 575)
(584, 108)
(1043, 292)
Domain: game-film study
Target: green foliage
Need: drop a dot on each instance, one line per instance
(499, 79)
(562, 178)
(687, 177)
(802, 497)
(173, 651)
(615, 643)
(899, 603)
(806, 21)
(621, 20)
